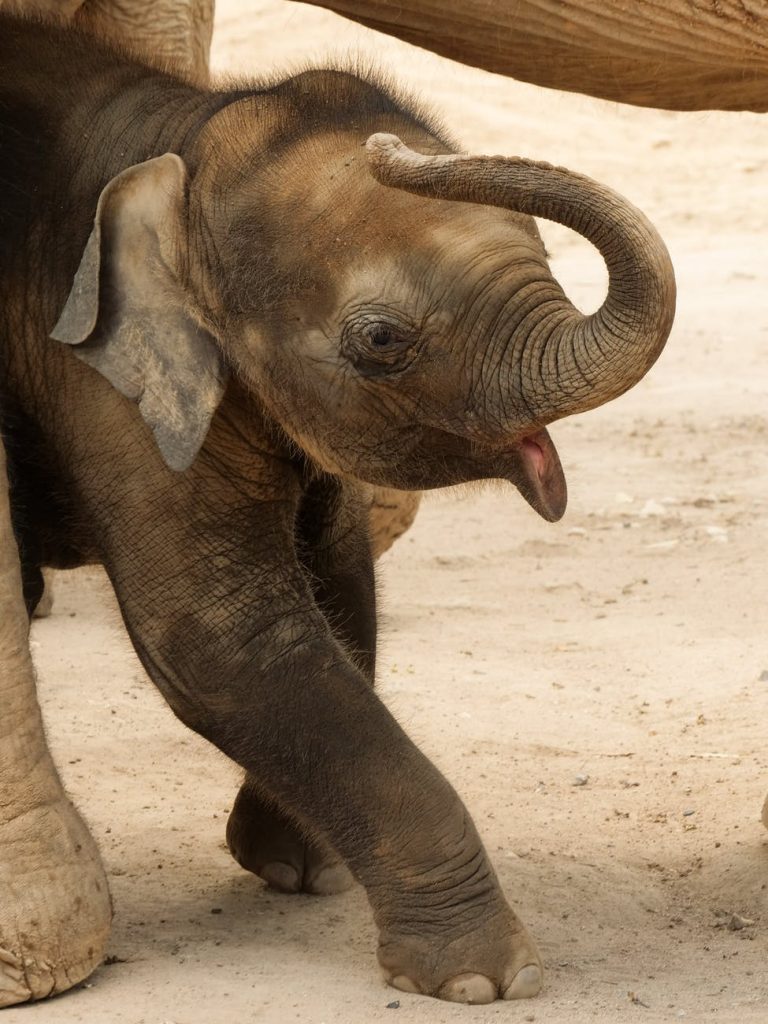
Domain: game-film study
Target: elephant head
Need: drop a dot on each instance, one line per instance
(391, 309)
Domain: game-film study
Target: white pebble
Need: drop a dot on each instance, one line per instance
(651, 509)
(662, 545)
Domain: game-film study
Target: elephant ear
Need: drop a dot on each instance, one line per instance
(127, 313)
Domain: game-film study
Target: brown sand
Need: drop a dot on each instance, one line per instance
(625, 646)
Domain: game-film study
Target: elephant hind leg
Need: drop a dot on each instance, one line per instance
(44, 606)
(54, 902)
(266, 842)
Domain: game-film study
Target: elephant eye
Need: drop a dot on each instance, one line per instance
(377, 346)
(383, 336)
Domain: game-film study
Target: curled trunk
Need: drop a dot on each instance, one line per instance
(566, 362)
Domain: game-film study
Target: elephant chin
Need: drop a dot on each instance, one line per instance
(539, 476)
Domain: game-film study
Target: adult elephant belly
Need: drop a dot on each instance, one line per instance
(675, 55)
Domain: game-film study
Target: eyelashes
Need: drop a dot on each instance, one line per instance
(378, 344)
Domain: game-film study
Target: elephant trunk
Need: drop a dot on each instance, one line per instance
(570, 362)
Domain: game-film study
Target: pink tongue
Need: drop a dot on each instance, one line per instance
(544, 484)
(534, 456)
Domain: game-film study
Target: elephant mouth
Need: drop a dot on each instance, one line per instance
(443, 458)
(538, 475)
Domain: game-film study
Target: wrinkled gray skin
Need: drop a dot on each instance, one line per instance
(224, 316)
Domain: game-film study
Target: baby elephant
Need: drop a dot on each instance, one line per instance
(224, 316)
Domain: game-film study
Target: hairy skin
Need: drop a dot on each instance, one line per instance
(264, 324)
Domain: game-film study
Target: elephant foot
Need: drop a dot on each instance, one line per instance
(499, 960)
(268, 844)
(55, 910)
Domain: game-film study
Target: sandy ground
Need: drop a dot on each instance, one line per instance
(596, 690)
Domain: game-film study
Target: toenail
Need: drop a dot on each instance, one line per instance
(280, 876)
(526, 983)
(469, 988)
(405, 984)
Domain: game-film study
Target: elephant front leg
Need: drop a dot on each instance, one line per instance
(54, 903)
(336, 551)
(298, 713)
(251, 663)
(342, 767)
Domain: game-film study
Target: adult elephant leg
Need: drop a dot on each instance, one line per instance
(54, 903)
(179, 31)
(337, 555)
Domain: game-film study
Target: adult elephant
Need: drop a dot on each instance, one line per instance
(711, 55)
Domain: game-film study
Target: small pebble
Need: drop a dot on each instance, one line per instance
(737, 922)
(662, 545)
(580, 780)
(394, 1005)
(652, 509)
(687, 814)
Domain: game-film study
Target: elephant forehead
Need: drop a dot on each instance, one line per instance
(451, 242)
(440, 261)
